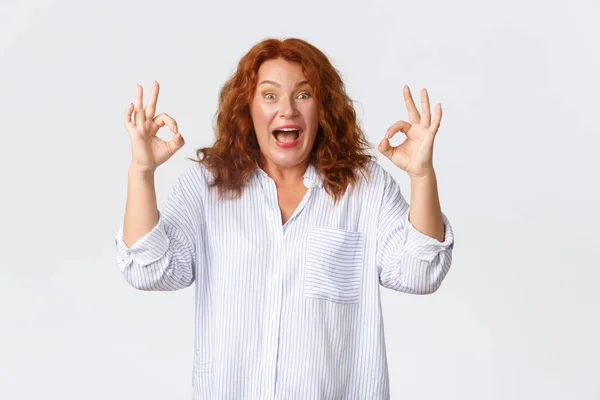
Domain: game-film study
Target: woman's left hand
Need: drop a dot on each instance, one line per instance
(415, 154)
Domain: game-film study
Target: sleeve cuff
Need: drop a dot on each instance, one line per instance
(148, 249)
(426, 247)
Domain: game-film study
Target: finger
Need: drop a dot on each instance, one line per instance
(176, 143)
(400, 126)
(152, 100)
(386, 148)
(139, 105)
(127, 116)
(164, 119)
(425, 109)
(413, 114)
(437, 118)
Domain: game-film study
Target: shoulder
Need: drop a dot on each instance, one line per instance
(379, 182)
(377, 175)
(194, 178)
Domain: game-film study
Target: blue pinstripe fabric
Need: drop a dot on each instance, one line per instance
(287, 311)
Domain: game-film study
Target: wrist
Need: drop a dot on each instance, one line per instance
(141, 171)
(424, 177)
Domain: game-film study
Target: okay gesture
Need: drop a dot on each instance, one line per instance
(415, 154)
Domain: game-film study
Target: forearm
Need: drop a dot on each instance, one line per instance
(425, 213)
(141, 212)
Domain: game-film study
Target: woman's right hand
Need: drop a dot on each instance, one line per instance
(148, 150)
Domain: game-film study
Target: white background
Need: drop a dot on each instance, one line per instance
(518, 316)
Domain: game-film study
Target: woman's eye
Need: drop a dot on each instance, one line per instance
(271, 96)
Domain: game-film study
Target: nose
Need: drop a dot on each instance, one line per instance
(288, 108)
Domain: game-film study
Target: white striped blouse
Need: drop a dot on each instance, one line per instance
(287, 311)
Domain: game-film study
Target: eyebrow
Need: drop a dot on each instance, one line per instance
(278, 85)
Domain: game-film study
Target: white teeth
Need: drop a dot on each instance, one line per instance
(288, 138)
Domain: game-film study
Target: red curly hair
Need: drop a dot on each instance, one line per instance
(340, 149)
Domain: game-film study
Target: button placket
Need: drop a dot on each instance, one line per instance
(271, 324)
(278, 267)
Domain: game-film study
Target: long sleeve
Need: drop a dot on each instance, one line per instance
(408, 260)
(165, 258)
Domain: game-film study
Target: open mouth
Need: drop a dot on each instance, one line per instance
(286, 135)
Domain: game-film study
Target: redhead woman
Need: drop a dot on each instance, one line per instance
(287, 227)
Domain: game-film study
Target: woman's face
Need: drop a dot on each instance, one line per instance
(283, 102)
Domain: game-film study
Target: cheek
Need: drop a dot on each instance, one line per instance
(312, 116)
(261, 116)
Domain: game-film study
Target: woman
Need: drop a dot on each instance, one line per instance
(288, 228)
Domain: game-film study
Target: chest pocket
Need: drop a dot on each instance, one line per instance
(334, 263)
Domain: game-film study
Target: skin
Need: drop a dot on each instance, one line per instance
(275, 104)
(148, 152)
(415, 156)
(285, 101)
(283, 96)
